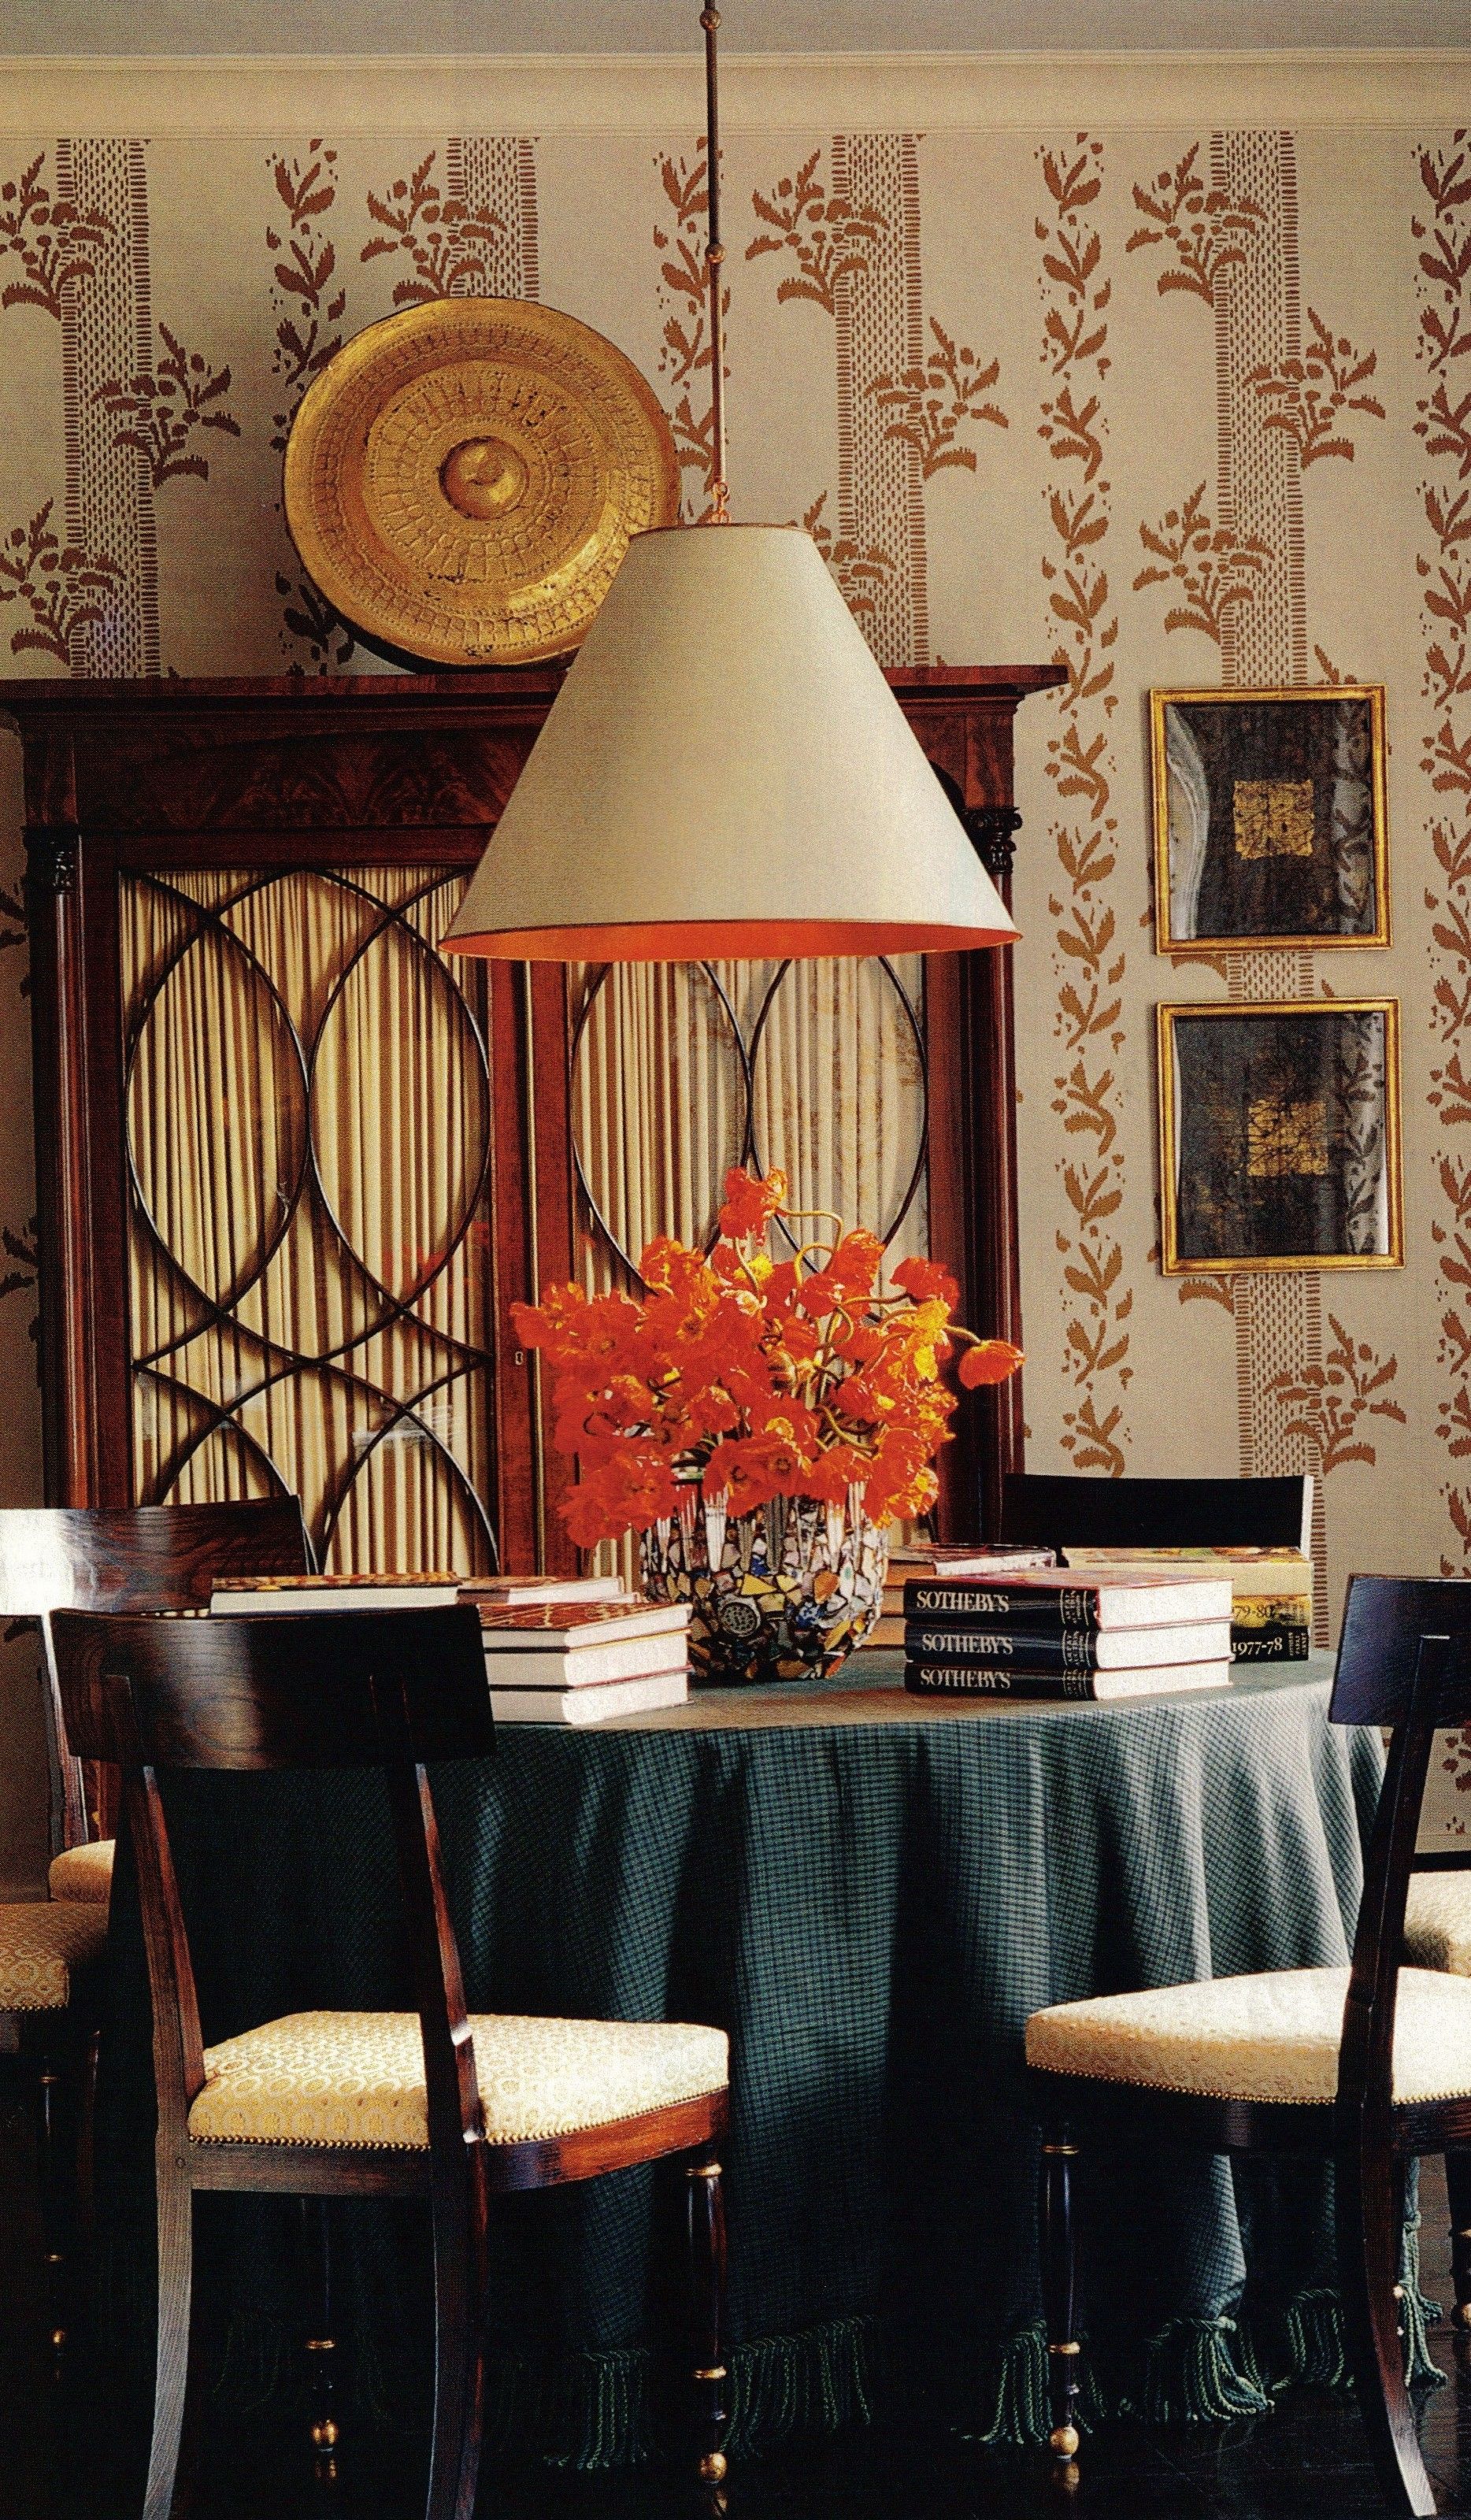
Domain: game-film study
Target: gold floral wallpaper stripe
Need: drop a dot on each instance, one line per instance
(1181, 397)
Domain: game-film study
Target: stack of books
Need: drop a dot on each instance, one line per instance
(1272, 1591)
(580, 1662)
(914, 1558)
(576, 1650)
(1051, 1633)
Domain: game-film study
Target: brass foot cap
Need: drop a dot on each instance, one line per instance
(324, 2435)
(58, 2338)
(1063, 2441)
(712, 2468)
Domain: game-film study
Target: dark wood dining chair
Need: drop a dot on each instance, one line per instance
(124, 1557)
(1368, 2067)
(55, 1558)
(1157, 1513)
(431, 2103)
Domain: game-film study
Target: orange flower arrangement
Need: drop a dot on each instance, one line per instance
(740, 1377)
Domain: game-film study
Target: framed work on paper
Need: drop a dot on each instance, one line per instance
(1279, 1136)
(1269, 818)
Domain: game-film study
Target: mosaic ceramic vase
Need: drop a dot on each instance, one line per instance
(783, 1593)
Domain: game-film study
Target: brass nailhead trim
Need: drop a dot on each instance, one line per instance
(1064, 2349)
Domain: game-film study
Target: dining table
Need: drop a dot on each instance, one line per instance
(870, 1891)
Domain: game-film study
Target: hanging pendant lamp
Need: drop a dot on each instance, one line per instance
(725, 769)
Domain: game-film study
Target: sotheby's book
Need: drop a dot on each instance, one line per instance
(934, 1641)
(1004, 1680)
(910, 1559)
(1044, 1601)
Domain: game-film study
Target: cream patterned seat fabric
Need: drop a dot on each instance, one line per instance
(1438, 1921)
(353, 2079)
(40, 1945)
(1272, 2036)
(83, 1872)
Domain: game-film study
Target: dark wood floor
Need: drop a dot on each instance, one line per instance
(1306, 2459)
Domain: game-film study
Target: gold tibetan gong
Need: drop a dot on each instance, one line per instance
(463, 480)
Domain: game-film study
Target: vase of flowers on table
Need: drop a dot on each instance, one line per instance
(761, 1422)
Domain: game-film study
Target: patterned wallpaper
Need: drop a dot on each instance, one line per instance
(1184, 405)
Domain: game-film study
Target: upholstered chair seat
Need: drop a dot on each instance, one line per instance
(83, 1872)
(1438, 1921)
(356, 2079)
(41, 1945)
(1272, 2036)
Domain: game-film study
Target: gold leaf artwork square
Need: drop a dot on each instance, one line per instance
(1274, 818)
(1285, 1138)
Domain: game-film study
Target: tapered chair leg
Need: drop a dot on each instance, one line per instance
(459, 2211)
(86, 2160)
(1458, 2189)
(1369, 2212)
(322, 2342)
(1054, 2219)
(52, 2192)
(176, 2385)
(707, 2314)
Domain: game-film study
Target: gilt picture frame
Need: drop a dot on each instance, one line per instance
(1279, 1136)
(1269, 819)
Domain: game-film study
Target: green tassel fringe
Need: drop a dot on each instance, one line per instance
(582, 2410)
(1199, 2371)
(1316, 2357)
(1020, 2410)
(601, 2411)
(817, 2381)
(1206, 2371)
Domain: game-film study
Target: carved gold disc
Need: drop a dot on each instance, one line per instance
(463, 480)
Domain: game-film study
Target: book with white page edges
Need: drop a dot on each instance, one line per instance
(241, 1596)
(598, 1704)
(1050, 1600)
(575, 1644)
(247, 1595)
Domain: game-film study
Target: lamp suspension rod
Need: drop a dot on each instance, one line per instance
(715, 255)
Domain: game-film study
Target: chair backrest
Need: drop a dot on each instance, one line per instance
(1157, 1513)
(130, 1557)
(1404, 1660)
(377, 1688)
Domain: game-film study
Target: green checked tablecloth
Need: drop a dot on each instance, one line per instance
(870, 1893)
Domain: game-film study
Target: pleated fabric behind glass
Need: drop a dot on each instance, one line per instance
(308, 1127)
(680, 1071)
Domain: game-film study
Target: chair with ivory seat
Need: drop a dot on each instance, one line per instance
(56, 1557)
(434, 2102)
(1368, 2067)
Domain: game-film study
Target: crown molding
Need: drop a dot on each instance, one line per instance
(275, 95)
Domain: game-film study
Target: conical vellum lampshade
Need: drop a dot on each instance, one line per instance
(726, 772)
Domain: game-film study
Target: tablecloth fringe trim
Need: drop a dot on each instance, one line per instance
(604, 2410)
(1206, 2371)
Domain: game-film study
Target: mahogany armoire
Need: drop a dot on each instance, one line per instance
(294, 1166)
